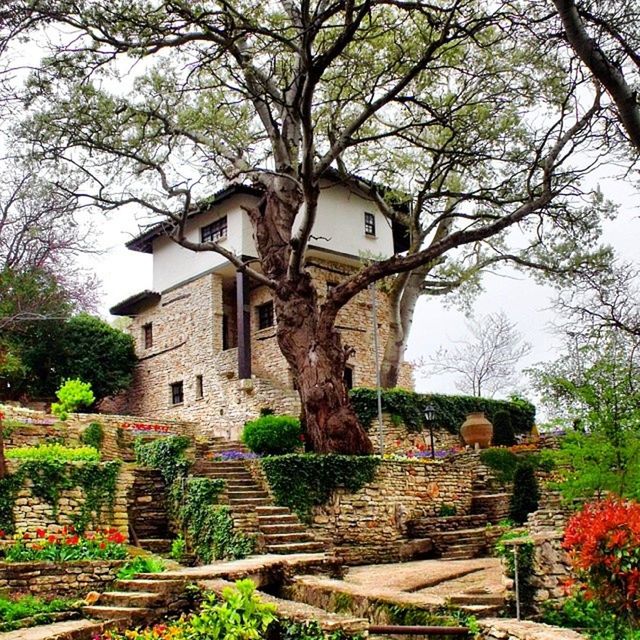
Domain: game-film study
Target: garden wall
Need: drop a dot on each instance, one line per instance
(25, 427)
(398, 439)
(31, 512)
(58, 580)
(371, 525)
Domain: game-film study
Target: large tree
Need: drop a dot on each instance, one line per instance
(156, 104)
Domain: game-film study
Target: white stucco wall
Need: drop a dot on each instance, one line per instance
(339, 227)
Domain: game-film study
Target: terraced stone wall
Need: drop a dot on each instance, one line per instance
(371, 525)
(58, 580)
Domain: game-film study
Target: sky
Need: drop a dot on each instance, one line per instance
(527, 304)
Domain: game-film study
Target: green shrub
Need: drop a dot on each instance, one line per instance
(93, 436)
(302, 481)
(451, 411)
(503, 434)
(178, 548)
(14, 610)
(526, 493)
(272, 435)
(165, 454)
(447, 510)
(502, 461)
(54, 452)
(73, 395)
(140, 564)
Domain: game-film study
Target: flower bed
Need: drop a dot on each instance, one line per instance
(66, 546)
(140, 428)
(55, 452)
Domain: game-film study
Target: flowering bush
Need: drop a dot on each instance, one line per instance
(603, 541)
(143, 427)
(234, 454)
(66, 546)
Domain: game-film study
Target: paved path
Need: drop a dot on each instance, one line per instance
(48, 631)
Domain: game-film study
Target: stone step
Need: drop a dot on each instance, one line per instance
(273, 511)
(256, 502)
(155, 545)
(271, 539)
(477, 599)
(146, 585)
(295, 547)
(130, 599)
(246, 493)
(460, 533)
(114, 613)
(279, 519)
(243, 482)
(288, 527)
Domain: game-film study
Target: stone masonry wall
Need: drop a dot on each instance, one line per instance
(49, 580)
(371, 525)
(398, 439)
(31, 513)
(187, 326)
(120, 431)
(147, 504)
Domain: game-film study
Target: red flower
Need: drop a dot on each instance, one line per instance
(103, 545)
(41, 533)
(2, 533)
(51, 539)
(26, 536)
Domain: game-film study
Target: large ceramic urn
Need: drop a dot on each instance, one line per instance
(477, 431)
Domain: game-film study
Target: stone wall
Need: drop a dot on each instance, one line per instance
(371, 525)
(398, 439)
(147, 504)
(187, 327)
(31, 512)
(120, 431)
(49, 580)
(510, 629)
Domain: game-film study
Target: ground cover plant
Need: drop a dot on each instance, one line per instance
(140, 564)
(67, 546)
(16, 611)
(237, 614)
(55, 452)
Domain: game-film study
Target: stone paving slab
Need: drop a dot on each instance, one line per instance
(69, 630)
(419, 574)
(511, 629)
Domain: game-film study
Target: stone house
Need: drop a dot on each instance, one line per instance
(202, 360)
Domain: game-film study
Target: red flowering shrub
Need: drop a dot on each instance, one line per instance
(603, 541)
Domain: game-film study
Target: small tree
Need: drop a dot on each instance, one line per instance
(486, 362)
(503, 434)
(526, 493)
(73, 395)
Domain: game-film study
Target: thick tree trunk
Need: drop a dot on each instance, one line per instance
(402, 298)
(311, 345)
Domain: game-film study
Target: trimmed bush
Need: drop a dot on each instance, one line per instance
(73, 395)
(273, 435)
(526, 493)
(503, 434)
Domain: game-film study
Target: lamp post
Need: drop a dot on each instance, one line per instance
(429, 420)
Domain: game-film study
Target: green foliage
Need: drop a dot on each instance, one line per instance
(302, 481)
(451, 411)
(578, 612)
(408, 615)
(178, 548)
(526, 493)
(272, 435)
(14, 611)
(166, 454)
(209, 526)
(503, 434)
(502, 461)
(54, 452)
(311, 630)
(140, 564)
(93, 436)
(240, 616)
(49, 477)
(447, 510)
(525, 553)
(73, 395)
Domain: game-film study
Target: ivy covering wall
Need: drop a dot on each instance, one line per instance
(451, 410)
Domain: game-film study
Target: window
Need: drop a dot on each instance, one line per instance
(199, 387)
(348, 377)
(369, 224)
(265, 315)
(177, 393)
(214, 231)
(147, 332)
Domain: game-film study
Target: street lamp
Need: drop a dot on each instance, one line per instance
(429, 420)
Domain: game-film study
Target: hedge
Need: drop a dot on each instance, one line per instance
(451, 411)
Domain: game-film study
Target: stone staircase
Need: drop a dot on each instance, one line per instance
(252, 510)
(461, 544)
(141, 601)
(148, 511)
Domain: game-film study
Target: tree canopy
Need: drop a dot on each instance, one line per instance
(454, 106)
